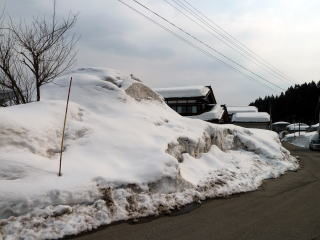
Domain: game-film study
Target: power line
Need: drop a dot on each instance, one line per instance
(196, 47)
(207, 45)
(222, 39)
(233, 39)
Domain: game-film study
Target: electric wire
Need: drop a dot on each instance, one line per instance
(213, 32)
(233, 39)
(196, 47)
(206, 45)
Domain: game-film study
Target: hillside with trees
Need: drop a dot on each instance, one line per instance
(297, 104)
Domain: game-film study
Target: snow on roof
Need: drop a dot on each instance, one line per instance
(251, 117)
(297, 126)
(215, 113)
(280, 123)
(237, 109)
(180, 92)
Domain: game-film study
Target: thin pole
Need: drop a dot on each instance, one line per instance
(319, 119)
(64, 127)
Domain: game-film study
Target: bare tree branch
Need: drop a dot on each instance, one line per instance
(39, 51)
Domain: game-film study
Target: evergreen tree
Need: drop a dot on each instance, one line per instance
(297, 104)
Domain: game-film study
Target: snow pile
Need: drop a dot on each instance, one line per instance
(303, 140)
(251, 117)
(183, 92)
(127, 155)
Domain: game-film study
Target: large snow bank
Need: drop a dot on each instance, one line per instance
(127, 155)
(301, 140)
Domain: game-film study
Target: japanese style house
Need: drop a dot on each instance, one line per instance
(195, 102)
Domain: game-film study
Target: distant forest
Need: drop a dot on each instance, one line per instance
(297, 104)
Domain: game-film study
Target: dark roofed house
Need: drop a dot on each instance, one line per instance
(195, 102)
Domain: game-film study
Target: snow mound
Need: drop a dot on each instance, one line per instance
(127, 155)
(301, 139)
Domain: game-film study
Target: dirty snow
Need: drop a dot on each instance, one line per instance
(127, 155)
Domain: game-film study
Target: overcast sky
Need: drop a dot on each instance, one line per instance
(284, 32)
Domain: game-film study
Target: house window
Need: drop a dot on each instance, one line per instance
(194, 109)
(182, 109)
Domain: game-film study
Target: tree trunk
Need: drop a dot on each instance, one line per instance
(38, 92)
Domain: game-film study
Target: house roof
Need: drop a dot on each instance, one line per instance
(215, 113)
(238, 109)
(183, 92)
(254, 117)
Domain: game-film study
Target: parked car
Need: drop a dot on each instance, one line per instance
(279, 126)
(295, 127)
(315, 144)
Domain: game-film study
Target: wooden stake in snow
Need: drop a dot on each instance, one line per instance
(64, 127)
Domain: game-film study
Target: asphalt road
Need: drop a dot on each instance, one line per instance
(284, 208)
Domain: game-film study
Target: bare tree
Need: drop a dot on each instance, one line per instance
(33, 54)
(46, 47)
(15, 85)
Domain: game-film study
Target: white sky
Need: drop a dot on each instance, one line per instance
(285, 32)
